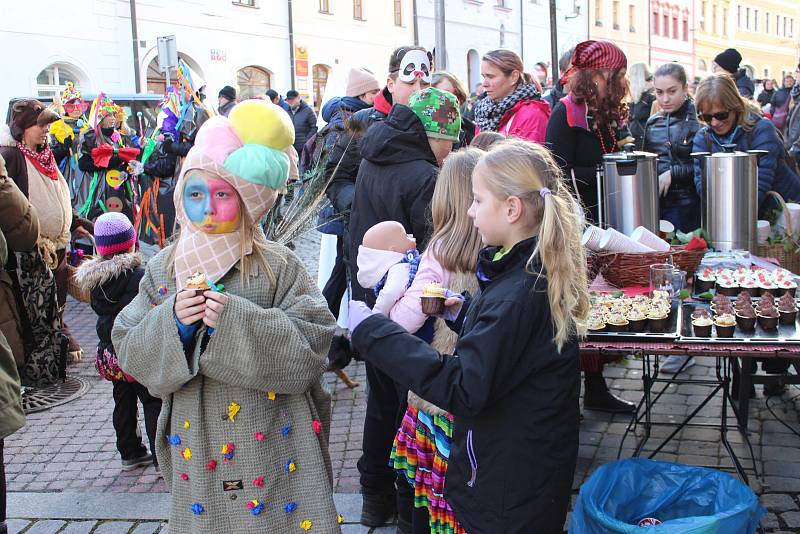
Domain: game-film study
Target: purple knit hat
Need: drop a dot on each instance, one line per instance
(113, 233)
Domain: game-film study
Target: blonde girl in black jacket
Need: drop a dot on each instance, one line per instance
(513, 387)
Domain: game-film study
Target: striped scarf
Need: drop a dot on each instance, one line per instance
(489, 113)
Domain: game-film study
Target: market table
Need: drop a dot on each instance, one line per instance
(726, 355)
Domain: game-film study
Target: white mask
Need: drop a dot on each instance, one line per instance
(415, 64)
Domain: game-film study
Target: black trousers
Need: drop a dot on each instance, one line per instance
(386, 405)
(126, 395)
(3, 498)
(336, 285)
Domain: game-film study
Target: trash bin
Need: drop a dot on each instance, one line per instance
(664, 497)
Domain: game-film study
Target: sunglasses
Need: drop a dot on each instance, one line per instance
(721, 116)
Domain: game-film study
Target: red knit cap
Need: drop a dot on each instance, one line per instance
(595, 55)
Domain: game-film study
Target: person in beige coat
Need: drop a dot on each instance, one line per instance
(232, 333)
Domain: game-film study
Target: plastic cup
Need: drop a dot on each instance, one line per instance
(763, 229)
(661, 278)
(649, 239)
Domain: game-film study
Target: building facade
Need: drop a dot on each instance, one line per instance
(624, 22)
(243, 44)
(767, 36)
(571, 28)
(330, 36)
(713, 33)
(672, 29)
(472, 28)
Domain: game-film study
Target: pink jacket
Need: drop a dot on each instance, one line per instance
(373, 265)
(407, 312)
(526, 120)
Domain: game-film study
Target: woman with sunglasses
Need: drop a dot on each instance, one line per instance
(670, 134)
(731, 120)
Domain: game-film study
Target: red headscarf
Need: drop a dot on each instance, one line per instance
(595, 55)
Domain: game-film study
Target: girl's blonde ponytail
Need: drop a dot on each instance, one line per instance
(528, 171)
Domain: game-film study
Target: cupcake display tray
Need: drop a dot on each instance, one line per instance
(789, 334)
(671, 333)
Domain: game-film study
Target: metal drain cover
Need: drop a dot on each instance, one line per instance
(39, 399)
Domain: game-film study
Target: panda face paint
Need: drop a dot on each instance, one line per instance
(211, 204)
(415, 64)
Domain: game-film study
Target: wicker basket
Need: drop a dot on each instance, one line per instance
(76, 291)
(633, 269)
(789, 259)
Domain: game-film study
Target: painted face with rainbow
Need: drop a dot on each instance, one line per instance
(211, 204)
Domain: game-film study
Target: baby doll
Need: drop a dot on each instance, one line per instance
(387, 262)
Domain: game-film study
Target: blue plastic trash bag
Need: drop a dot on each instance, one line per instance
(684, 499)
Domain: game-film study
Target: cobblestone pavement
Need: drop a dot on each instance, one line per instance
(70, 448)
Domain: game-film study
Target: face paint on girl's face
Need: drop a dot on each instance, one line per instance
(211, 204)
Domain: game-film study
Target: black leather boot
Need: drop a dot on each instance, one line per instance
(377, 508)
(596, 396)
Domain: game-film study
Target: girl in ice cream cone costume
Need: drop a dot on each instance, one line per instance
(243, 435)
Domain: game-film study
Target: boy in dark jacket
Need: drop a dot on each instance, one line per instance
(113, 279)
(395, 182)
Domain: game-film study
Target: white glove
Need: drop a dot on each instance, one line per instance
(664, 181)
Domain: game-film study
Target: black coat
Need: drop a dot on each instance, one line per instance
(513, 395)
(640, 112)
(744, 84)
(765, 97)
(671, 136)
(577, 150)
(114, 283)
(86, 161)
(395, 183)
(305, 125)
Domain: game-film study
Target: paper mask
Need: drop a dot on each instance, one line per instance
(415, 64)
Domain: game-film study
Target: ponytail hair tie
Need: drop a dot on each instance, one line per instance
(543, 192)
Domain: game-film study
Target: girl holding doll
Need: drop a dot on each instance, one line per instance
(513, 381)
(232, 333)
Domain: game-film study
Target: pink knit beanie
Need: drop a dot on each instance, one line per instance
(360, 81)
(113, 233)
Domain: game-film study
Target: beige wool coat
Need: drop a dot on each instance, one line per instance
(243, 433)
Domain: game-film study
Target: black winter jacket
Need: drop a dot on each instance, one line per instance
(640, 112)
(671, 136)
(305, 125)
(113, 283)
(346, 153)
(395, 182)
(513, 395)
(577, 150)
(792, 135)
(744, 84)
(86, 162)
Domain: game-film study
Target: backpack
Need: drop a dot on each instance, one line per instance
(781, 114)
(45, 345)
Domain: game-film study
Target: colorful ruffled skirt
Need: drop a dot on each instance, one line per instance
(420, 452)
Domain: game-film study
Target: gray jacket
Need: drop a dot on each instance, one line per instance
(792, 135)
(243, 433)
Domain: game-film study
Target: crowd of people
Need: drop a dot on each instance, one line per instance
(477, 199)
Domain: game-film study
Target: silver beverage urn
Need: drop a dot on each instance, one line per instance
(629, 191)
(729, 199)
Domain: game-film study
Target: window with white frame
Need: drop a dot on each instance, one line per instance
(53, 79)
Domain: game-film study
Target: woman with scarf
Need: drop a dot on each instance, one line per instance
(65, 134)
(108, 156)
(32, 166)
(512, 101)
(584, 125)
